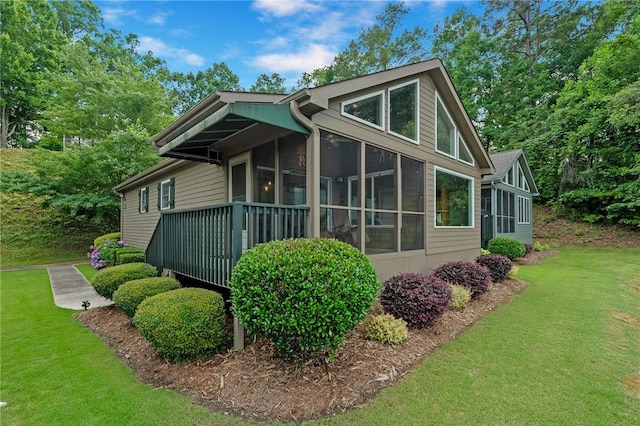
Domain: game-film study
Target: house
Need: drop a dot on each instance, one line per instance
(388, 162)
(506, 198)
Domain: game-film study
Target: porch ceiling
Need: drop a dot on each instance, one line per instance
(197, 143)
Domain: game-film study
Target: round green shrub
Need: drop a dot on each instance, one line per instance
(471, 275)
(418, 299)
(183, 324)
(305, 295)
(130, 294)
(113, 236)
(497, 264)
(509, 247)
(460, 297)
(387, 330)
(108, 280)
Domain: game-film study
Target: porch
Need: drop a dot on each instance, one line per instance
(206, 243)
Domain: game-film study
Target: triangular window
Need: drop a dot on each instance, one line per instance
(464, 154)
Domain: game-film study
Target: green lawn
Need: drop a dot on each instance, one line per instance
(559, 353)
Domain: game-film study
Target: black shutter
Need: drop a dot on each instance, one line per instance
(172, 193)
(139, 200)
(146, 199)
(159, 194)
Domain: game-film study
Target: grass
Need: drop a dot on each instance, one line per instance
(563, 352)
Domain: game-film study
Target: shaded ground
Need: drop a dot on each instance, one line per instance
(255, 383)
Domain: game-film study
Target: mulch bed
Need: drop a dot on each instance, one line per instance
(258, 385)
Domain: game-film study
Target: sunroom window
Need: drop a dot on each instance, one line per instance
(403, 111)
(454, 199)
(367, 109)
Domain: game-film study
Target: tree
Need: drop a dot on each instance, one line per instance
(269, 84)
(186, 90)
(29, 40)
(377, 48)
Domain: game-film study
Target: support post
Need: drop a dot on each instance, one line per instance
(238, 334)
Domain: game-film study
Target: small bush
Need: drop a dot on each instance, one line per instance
(538, 246)
(304, 294)
(509, 247)
(471, 275)
(183, 324)
(497, 264)
(387, 330)
(108, 280)
(417, 299)
(483, 251)
(113, 236)
(460, 297)
(130, 294)
(513, 271)
(128, 255)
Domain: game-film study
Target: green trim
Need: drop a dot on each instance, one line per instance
(273, 114)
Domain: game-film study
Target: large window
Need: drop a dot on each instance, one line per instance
(403, 111)
(448, 138)
(454, 199)
(505, 212)
(363, 206)
(166, 194)
(524, 210)
(367, 109)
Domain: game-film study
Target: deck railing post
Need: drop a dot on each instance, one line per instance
(237, 213)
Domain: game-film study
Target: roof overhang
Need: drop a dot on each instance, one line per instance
(198, 142)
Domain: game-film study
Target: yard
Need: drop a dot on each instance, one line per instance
(565, 351)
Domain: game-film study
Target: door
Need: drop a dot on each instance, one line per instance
(240, 187)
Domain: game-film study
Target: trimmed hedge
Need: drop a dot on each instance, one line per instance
(183, 324)
(113, 236)
(418, 299)
(497, 264)
(305, 295)
(509, 247)
(127, 255)
(471, 275)
(387, 330)
(130, 294)
(108, 280)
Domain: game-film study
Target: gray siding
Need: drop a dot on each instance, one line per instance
(196, 185)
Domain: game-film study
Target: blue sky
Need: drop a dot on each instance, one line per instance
(254, 37)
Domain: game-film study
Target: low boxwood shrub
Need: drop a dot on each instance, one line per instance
(108, 280)
(305, 294)
(130, 294)
(387, 330)
(471, 275)
(418, 299)
(513, 271)
(509, 247)
(460, 297)
(128, 255)
(183, 324)
(497, 264)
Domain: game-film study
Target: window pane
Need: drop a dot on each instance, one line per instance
(454, 195)
(264, 173)
(381, 239)
(293, 165)
(412, 237)
(339, 224)
(380, 178)
(445, 131)
(402, 110)
(412, 185)
(339, 160)
(463, 152)
(367, 109)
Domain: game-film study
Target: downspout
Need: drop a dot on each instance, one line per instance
(313, 167)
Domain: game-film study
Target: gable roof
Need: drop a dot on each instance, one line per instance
(503, 161)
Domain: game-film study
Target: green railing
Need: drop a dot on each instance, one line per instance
(206, 243)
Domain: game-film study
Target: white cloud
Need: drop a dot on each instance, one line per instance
(304, 60)
(158, 18)
(114, 15)
(280, 8)
(161, 49)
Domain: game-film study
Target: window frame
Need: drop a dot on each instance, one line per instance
(471, 180)
(366, 96)
(170, 201)
(466, 147)
(524, 210)
(416, 112)
(455, 129)
(522, 180)
(143, 200)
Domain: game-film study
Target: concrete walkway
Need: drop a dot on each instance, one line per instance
(71, 288)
